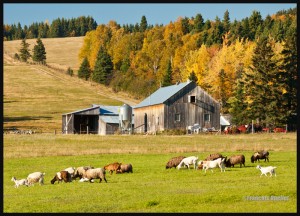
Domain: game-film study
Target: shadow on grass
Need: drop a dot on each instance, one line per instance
(25, 118)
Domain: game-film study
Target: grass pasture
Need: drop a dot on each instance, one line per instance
(151, 187)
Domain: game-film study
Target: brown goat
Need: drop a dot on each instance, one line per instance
(260, 155)
(113, 167)
(213, 157)
(174, 162)
(125, 168)
(62, 176)
(235, 159)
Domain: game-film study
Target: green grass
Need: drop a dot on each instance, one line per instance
(151, 187)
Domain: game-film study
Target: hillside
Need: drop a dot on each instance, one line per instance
(36, 96)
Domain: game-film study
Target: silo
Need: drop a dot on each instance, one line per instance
(125, 117)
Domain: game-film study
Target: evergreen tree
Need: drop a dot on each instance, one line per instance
(167, 79)
(226, 21)
(193, 77)
(24, 51)
(198, 23)
(39, 53)
(261, 84)
(143, 24)
(103, 67)
(185, 25)
(288, 80)
(84, 71)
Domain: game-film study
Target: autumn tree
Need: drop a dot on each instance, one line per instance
(84, 71)
(103, 67)
(39, 52)
(24, 51)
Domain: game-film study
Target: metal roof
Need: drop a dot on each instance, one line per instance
(82, 110)
(162, 94)
(113, 119)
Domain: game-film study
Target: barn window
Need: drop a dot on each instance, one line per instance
(177, 117)
(192, 99)
(207, 117)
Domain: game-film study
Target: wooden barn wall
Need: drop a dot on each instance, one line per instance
(192, 113)
(155, 118)
(66, 120)
(107, 128)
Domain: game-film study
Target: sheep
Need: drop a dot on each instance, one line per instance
(71, 170)
(235, 159)
(188, 161)
(265, 170)
(97, 173)
(35, 177)
(125, 168)
(113, 167)
(19, 182)
(213, 164)
(174, 162)
(260, 155)
(62, 176)
(213, 157)
(78, 173)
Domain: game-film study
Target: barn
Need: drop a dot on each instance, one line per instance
(178, 106)
(98, 119)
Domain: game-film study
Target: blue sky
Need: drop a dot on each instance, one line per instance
(156, 13)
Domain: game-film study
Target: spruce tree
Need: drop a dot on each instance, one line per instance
(167, 79)
(261, 85)
(103, 67)
(193, 77)
(84, 71)
(24, 51)
(143, 24)
(39, 53)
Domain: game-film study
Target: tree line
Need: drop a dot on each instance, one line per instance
(249, 66)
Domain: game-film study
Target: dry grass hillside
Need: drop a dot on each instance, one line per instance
(36, 96)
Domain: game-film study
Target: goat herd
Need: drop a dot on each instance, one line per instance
(89, 173)
(217, 160)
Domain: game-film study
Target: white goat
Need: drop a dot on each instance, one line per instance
(213, 164)
(265, 170)
(19, 182)
(35, 177)
(188, 161)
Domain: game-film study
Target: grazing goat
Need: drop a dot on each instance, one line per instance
(113, 167)
(213, 157)
(213, 164)
(78, 173)
(62, 176)
(174, 162)
(265, 170)
(125, 168)
(260, 155)
(19, 182)
(71, 170)
(235, 159)
(188, 161)
(97, 173)
(36, 177)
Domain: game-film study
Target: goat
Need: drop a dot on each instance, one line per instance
(265, 170)
(97, 173)
(113, 167)
(125, 168)
(62, 176)
(174, 162)
(260, 155)
(71, 170)
(36, 177)
(188, 161)
(235, 159)
(78, 173)
(213, 164)
(213, 157)
(19, 182)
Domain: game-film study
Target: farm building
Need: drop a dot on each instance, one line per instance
(178, 106)
(97, 119)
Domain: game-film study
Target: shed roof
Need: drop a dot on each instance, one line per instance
(223, 121)
(82, 110)
(162, 94)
